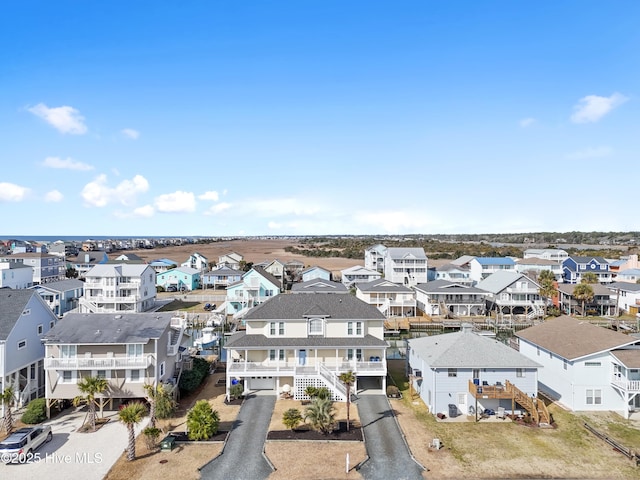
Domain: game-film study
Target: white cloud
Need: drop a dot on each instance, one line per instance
(53, 196)
(65, 119)
(175, 202)
(527, 122)
(67, 163)
(593, 107)
(209, 196)
(144, 211)
(218, 208)
(597, 152)
(99, 194)
(130, 133)
(10, 192)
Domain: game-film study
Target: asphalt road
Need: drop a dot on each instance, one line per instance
(242, 457)
(388, 453)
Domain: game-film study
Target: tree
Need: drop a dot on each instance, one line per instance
(348, 378)
(90, 387)
(151, 435)
(71, 273)
(547, 288)
(590, 278)
(131, 415)
(7, 401)
(321, 414)
(583, 293)
(161, 402)
(292, 418)
(202, 421)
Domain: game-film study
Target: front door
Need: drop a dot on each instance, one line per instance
(302, 357)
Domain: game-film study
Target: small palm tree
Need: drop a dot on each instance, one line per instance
(131, 415)
(202, 421)
(321, 414)
(160, 402)
(583, 293)
(292, 418)
(547, 288)
(90, 387)
(7, 400)
(348, 378)
(590, 278)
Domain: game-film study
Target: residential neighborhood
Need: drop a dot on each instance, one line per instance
(481, 338)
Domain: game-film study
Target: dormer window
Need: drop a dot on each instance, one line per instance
(316, 326)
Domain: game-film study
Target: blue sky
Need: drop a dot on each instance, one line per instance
(318, 117)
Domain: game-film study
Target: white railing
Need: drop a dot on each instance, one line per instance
(332, 380)
(263, 368)
(97, 363)
(627, 385)
(106, 299)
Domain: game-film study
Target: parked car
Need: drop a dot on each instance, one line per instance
(19, 447)
(172, 288)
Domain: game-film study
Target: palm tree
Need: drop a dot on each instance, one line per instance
(348, 378)
(131, 415)
(321, 414)
(155, 394)
(583, 293)
(7, 399)
(90, 387)
(590, 278)
(547, 288)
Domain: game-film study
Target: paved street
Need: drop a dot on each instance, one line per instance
(70, 454)
(388, 453)
(242, 458)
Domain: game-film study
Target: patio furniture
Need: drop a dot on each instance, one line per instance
(500, 413)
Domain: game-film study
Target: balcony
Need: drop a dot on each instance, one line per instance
(629, 386)
(106, 299)
(97, 363)
(291, 368)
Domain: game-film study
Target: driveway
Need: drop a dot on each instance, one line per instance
(71, 454)
(387, 450)
(242, 457)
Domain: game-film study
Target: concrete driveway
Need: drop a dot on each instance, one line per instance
(71, 454)
(388, 453)
(242, 457)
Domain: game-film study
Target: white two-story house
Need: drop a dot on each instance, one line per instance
(15, 275)
(391, 299)
(308, 340)
(62, 296)
(512, 293)
(406, 266)
(129, 350)
(358, 274)
(481, 267)
(119, 288)
(442, 297)
(585, 367)
(255, 287)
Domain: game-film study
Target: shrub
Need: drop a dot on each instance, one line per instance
(236, 391)
(393, 391)
(151, 435)
(192, 379)
(292, 418)
(36, 412)
(202, 421)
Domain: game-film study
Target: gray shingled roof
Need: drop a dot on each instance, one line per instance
(382, 285)
(242, 340)
(445, 286)
(498, 281)
(120, 269)
(400, 252)
(571, 338)
(63, 285)
(466, 349)
(12, 304)
(319, 285)
(598, 288)
(111, 328)
(295, 307)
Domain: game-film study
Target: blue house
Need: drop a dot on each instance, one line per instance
(180, 279)
(255, 287)
(312, 273)
(574, 267)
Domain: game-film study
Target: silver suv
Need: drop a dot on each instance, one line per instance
(20, 445)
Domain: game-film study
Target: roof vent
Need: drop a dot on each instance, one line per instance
(98, 332)
(118, 316)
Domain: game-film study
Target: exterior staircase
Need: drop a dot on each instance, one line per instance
(535, 406)
(319, 376)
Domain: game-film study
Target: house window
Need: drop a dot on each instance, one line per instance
(68, 351)
(357, 352)
(519, 372)
(354, 328)
(27, 312)
(315, 326)
(135, 349)
(101, 374)
(592, 364)
(22, 344)
(162, 369)
(276, 354)
(452, 372)
(67, 376)
(594, 396)
(476, 373)
(51, 324)
(276, 328)
(40, 329)
(135, 375)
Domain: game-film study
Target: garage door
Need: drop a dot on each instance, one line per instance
(262, 383)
